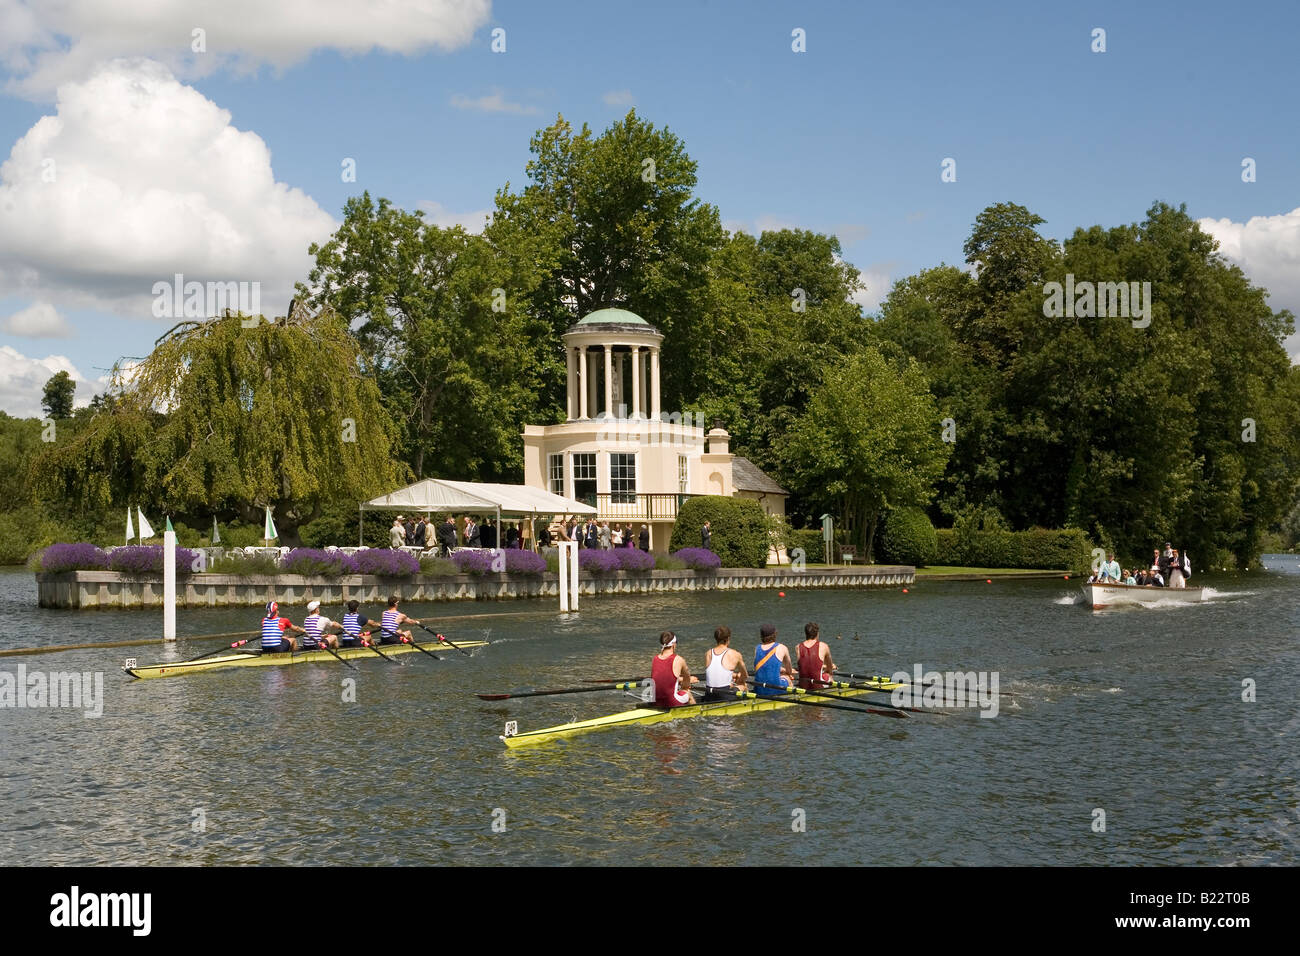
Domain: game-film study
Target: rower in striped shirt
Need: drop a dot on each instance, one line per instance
(354, 626)
(318, 636)
(393, 619)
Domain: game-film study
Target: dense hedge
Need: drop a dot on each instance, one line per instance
(739, 529)
(1068, 549)
(909, 538)
(810, 539)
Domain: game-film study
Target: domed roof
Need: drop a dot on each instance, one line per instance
(612, 317)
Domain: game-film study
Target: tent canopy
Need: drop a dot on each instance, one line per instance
(436, 494)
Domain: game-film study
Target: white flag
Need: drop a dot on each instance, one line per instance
(130, 531)
(216, 533)
(145, 530)
(269, 531)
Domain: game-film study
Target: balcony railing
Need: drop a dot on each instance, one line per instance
(638, 507)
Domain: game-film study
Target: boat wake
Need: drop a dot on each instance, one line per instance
(1075, 598)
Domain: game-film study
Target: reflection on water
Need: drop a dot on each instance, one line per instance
(1133, 711)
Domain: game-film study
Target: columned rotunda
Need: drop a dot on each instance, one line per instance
(618, 449)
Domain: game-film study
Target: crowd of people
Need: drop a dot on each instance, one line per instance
(725, 673)
(1170, 568)
(526, 535)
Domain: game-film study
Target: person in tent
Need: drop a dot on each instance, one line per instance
(392, 620)
(275, 631)
(772, 664)
(816, 669)
(671, 674)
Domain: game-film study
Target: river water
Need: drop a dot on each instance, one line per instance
(1127, 740)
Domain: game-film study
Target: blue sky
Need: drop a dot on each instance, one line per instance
(153, 178)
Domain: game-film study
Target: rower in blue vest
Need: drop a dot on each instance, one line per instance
(771, 664)
(275, 631)
(393, 619)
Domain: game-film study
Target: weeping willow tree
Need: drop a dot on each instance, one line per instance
(229, 415)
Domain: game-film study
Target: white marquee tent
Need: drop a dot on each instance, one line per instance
(473, 497)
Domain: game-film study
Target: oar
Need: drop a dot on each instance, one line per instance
(628, 685)
(326, 647)
(366, 643)
(789, 698)
(444, 640)
(407, 640)
(222, 650)
(867, 687)
(877, 677)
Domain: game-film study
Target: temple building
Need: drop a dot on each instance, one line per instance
(617, 450)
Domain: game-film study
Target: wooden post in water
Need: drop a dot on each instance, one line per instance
(568, 568)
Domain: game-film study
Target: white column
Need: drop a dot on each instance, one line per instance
(636, 382)
(609, 383)
(169, 584)
(591, 385)
(571, 361)
(654, 384)
(582, 383)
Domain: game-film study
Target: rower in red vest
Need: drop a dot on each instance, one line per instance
(670, 673)
(815, 664)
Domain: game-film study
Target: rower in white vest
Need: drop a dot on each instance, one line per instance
(393, 619)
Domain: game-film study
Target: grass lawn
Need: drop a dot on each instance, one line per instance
(987, 572)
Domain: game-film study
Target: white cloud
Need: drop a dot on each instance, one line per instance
(878, 278)
(1267, 248)
(619, 98)
(137, 177)
(22, 382)
(494, 102)
(40, 320)
(46, 43)
(438, 214)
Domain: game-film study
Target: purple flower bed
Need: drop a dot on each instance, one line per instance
(148, 559)
(595, 561)
(526, 563)
(80, 556)
(473, 562)
(386, 563)
(699, 559)
(632, 559)
(313, 562)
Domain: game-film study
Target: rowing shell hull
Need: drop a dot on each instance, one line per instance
(657, 715)
(1099, 596)
(182, 668)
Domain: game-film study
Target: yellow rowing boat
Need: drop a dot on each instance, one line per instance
(256, 659)
(655, 715)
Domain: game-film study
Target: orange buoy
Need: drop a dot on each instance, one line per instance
(780, 594)
(988, 580)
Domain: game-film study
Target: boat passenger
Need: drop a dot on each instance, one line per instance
(392, 620)
(815, 665)
(317, 628)
(1155, 578)
(1176, 570)
(669, 673)
(1110, 570)
(772, 663)
(275, 631)
(354, 626)
(1130, 578)
(724, 667)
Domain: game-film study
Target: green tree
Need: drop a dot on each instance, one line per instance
(57, 401)
(442, 320)
(618, 214)
(868, 441)
(225, 419)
